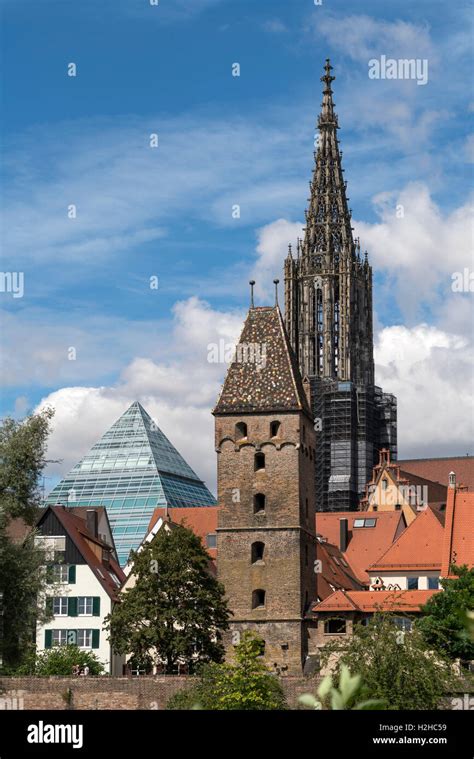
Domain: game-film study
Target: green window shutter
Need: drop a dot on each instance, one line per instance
(95, 638)
(72, 574)
(48, 638)
(49, 607)
(72, 606)
(96, 606)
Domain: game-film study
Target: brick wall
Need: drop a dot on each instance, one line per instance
(110, 692)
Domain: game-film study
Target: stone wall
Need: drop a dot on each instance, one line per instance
(110, 692)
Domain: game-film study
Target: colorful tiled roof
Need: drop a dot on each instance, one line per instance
(418, 547)
(375, 600)
(202, 521)
(270, 381)
(366, 544)
(336, 573)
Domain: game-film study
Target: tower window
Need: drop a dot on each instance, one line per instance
(275, 429)
(335, 627)
(258, 503)
(258, 549)
(384, 484)
(259, 461)
(258, 599)
(240, 430)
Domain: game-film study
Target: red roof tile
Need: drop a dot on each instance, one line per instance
(202, 520)
(366, 544)
(418, 547)
(375, 600)
(438, 470)
(458, 545)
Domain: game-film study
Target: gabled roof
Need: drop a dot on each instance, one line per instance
(375, 600)
(270, 384)
(366, 544)
(201, 521)
(419, 547)
(76, 528)
(458, 545)
(335, 572)
(438, 470)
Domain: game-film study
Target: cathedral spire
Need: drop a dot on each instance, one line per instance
(328, 233)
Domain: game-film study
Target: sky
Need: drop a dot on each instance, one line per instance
(130, 259)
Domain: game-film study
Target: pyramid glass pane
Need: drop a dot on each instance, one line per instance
(132, 470)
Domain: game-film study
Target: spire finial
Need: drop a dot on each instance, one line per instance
(275, 282)
(327, 78)
(251, 283)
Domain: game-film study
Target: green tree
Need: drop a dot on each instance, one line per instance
(444, 622)
(343, 697)
(22, 461)
(395, 666)
(176, 610)
(60, 660)
(246, 685)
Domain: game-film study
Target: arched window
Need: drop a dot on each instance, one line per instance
(240, 430)
(259, 461)
(258, 549)
(258, 599)
(258, 503)
(275, 429)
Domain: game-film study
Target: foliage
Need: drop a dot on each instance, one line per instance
(343, 697)
(396, 667)
(176, 609)
(444, 622)
(60, 660)
(246, 685)
(22, 460)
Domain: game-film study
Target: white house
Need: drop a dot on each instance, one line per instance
(85, 579)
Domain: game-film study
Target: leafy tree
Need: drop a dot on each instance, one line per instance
(176, 609)
(395, 666)
(444, 622)
(60, 660)
(344, 697)
(246, 685)
(22, 460)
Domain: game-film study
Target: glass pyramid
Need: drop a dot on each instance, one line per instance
(131, 470)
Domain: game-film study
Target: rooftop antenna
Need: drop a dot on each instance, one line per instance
(251, 283)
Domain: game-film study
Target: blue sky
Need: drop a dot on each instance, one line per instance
(166, 212)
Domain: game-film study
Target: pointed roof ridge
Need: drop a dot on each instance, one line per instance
(264, 374)
(407, 536)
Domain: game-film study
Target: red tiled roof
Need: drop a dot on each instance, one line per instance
(335, 572)
(202, 520)
(77, 530)
(366, 544)
(375, 600)
(438, 470)
(418, 547)
(458, 545)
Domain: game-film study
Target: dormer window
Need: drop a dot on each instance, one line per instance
(240, 430)
(275, 429)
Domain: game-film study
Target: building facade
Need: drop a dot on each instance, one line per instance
(328, 314)
(266, 543)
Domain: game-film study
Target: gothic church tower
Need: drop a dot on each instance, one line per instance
(328, 314)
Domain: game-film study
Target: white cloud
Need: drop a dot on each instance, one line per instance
(272, 249)
(179, 394)
(430, 371)
(419, 250)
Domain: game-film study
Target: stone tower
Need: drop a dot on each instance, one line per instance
(328, 314)
(266, 538)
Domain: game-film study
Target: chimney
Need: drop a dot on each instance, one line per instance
(343, 534)
(92, 522)
(452, 480)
